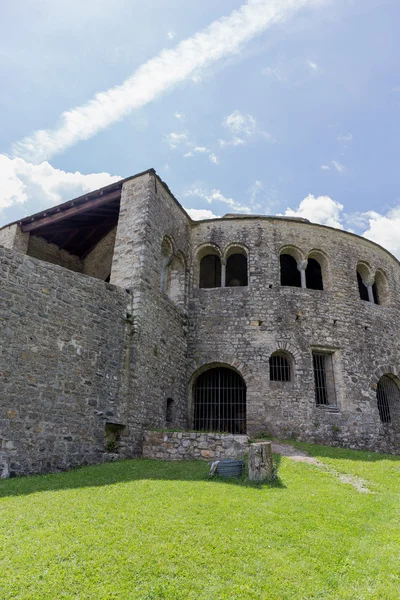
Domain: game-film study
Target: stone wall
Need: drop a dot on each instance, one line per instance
(148, 213)
(13, 238)
(194, 446)
(40, 248)
(99, 260)
(242, 326)
(78, 353)
(62, 365)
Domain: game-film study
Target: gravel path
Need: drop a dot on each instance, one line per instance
(300, 456)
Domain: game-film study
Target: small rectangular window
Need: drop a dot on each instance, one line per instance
(169, 411)
(325, 394)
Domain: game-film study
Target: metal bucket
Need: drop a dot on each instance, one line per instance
(230, 468)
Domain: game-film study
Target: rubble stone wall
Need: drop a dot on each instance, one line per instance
(148, 213)
(40, 248)
(242, 326)
(63, 338)
(194, 446)
(78, 353)
(99, 260)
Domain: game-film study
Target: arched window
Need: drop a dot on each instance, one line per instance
(290, 275)
(167, 251)
(173, 272)
(279, 367)
(236, 267)
(381, 289)
(362, 288)
(220, 401)
(388, 399)
(210, 271)
(363, 277)
(314, 275)
(176, 280)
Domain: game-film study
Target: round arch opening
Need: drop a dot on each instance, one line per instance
(388, 399)
(219, 401)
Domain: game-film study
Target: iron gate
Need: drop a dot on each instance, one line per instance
(220, 401)
(388, 396)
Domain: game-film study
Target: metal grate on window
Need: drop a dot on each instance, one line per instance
(388, 398)
(325, 394)
(279, 367)
(220, 401)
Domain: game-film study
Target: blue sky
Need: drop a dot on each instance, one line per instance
(265, 106)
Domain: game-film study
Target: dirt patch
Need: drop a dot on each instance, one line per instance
(300, 456)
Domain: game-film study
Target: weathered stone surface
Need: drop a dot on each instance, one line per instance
(261, 466)
(13, 238)
(363, 337)
(58, 362)
(77, 352)
(214, 446)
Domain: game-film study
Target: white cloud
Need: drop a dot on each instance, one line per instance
(180, 116)
(240, 124)
(171, 35)
(242, 127)
(313, 66)
(338, 166)
(270, 72)
(345, 138)
(40, 186)
(199, 150)
(201, 213)
(320, 209)
(385, 229)
(217, 196)
(175, 138)
(254, 191)
(214, 159)
(236, 141)
(223, 37)
(325, 168)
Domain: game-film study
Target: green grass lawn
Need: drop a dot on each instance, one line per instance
(151, 530)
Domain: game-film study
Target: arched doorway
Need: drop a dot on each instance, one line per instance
(219, 396)
(388, 399)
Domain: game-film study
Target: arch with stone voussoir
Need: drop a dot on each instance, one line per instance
(381, 282)
(230, 250)
(202, 251)
(292, 273)
(173, 280)
(291, 352)
(238, 367)
(393, 372)
(324, 262)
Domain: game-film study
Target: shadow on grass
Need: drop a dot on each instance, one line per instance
(125, 471)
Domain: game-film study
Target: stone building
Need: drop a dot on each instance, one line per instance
(119, 315)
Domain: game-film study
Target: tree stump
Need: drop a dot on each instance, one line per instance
(261, 466)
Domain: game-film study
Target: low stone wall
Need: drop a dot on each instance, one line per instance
(179, 445)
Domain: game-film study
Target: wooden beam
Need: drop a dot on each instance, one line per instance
(70, 212)
(84, 241)
(64, 243)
